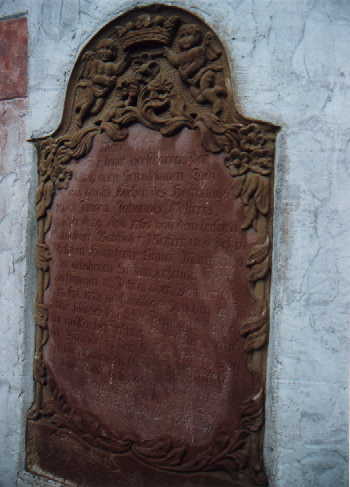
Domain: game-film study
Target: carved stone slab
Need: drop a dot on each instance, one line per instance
(154, 209)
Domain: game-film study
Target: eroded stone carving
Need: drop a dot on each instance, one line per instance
(99, 76)
(163, 68)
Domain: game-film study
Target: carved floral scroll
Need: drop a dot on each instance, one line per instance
(165, 69)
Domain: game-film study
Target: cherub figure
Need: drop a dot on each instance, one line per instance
(211, 91)
(190, 53)
(193, 54)
(98, 79)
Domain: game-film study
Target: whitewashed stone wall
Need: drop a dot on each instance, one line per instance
(291, 66)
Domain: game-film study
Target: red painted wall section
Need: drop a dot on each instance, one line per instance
(13, 58)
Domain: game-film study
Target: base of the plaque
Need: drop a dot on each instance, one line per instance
(59, 455)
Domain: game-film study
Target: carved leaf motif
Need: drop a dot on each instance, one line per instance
(239, 186)
(237, 162)
(63, 178)
(43, 257)
(252, 137)
(48, 221)
(173, 126)
(113, 131)
(255, 331)
(253, 412)
(262, 196)
(250, 186)
(40, 372)
(256, 340)
(209, 140)
(63, 156)
(253, 324)
(128, 116)
(145, 95)
(261, 161)
(41, 316)
(259, 253)
(250, 215)
(44, 197)
(84, 145)
(260, 270)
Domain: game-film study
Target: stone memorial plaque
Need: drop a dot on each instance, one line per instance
(154, 208)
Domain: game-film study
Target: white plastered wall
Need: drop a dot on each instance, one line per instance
(290, 62)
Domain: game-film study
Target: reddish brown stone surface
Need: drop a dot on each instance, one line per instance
(148, 290)
(13, 58)
(153, 258)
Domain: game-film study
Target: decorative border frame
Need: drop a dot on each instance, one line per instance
(97, 104)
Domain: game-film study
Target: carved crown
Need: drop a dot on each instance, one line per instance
(148, 28)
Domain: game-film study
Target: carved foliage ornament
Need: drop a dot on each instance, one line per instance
(163, 68)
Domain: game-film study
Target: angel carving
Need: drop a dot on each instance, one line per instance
(99, 77)
(193, 55)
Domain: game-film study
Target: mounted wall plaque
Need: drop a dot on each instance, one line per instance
(154, 208)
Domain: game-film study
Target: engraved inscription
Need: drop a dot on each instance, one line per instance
(154, 229)
(157, 325)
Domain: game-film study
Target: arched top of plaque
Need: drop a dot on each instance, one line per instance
(162, 67)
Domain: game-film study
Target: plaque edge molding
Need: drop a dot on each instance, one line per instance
(249, 149)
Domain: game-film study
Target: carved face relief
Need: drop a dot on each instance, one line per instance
(154, 216)
(106, 50)
(157, 95)
(188, 36)
(145, 67)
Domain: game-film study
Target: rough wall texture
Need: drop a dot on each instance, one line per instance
(290, 65)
